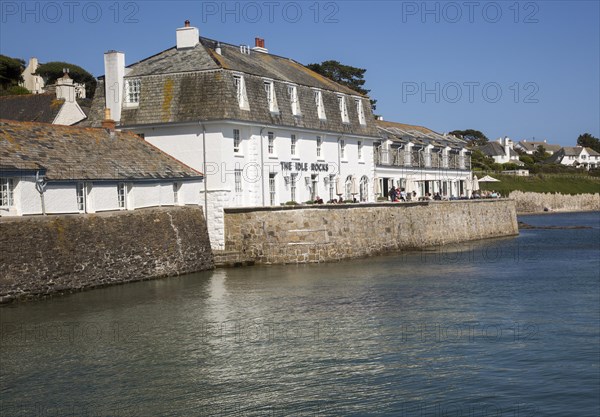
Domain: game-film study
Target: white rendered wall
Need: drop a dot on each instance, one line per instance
(60, 198)
(105, 197)
(146, 195)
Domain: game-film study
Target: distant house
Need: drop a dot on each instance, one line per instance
(501, 151)
(60, 107)
(529, 147)
(577, 156)
(50, 169)
(36, 83)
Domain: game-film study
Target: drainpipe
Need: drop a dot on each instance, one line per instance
(204, 171)
(262, 165)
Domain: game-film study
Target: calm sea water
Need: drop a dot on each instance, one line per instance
(503, 327)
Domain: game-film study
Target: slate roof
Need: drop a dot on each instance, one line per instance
(30, 107)
(495, 149)
(76, 153)
(532, 146)
(192, 84)
(36, 107)
(420, 135)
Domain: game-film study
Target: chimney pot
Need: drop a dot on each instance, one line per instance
(187, 23)
(259, 46)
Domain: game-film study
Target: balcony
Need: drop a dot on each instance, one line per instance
(421, 159)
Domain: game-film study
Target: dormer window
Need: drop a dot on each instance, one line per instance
(132, 91)
(343, 109)
(240, 91)
(319, 104)
(292, 91)
(360, 110)
(270, 91)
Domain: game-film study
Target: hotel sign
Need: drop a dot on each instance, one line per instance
(304, 166)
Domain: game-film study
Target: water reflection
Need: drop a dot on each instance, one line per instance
(498, 327)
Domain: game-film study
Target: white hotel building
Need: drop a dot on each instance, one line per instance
(263, 129)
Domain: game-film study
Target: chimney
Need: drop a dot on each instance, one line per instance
(218, 48)
(187, 36)
(114, 71)
(259, 46)
(65, 89)
(108, 123)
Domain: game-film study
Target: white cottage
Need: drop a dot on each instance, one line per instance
(263, 128)
(577, 156)
(50, 169)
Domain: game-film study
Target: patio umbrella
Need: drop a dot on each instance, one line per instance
(487, 178)
(353, 187)
(338, 188)
(376, 189)
(475, 183)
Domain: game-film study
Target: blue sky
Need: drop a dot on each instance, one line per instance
(523, 69)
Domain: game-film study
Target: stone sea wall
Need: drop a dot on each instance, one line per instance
(539, 202)
(325, 233)
(45, 255)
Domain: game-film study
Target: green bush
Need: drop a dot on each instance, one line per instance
(15, 90)
(291, 203)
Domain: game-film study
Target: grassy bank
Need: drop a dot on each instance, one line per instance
(543, 183)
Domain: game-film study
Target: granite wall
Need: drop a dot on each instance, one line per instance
(539, 202)
(43, 255)
(321, 233)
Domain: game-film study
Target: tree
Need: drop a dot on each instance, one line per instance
(474, 137)
(351, 77)
(540, 154)
(51, 71)
(10, 71)
(589, 141)
(481, 161)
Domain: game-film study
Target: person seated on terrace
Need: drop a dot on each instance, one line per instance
(437, 197)
(318, 200)
(402, 194)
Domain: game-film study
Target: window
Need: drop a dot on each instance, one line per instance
(292, 91)
(272, 189)
(293, 181)
(343, 109)
(175, 193)
(270, 90)
(271, 144)
(364, 189)
(236, 140)
(348, 187)
(360, 110)
(293, 145)
(360, 150)
(81, 197)
(240, 91)
(238, 180)
(121, 195)
(319, 144)
(342, 149)
(132, 91)
(6, 192)
(319, 104)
